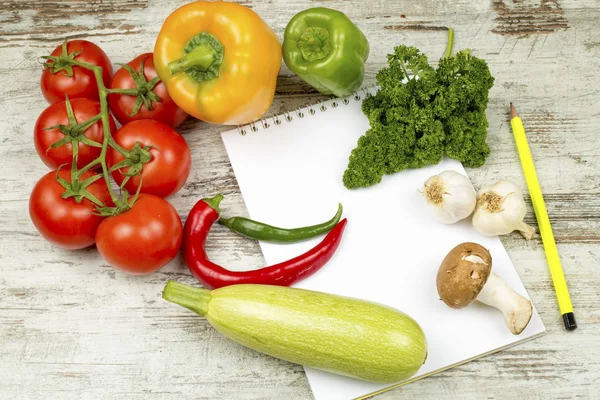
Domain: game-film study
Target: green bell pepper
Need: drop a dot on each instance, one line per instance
(324, 48)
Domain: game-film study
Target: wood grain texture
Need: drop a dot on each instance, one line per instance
(72, 327)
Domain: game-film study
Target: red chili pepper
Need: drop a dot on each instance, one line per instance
(201, 218)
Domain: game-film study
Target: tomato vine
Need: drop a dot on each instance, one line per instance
(134, 158)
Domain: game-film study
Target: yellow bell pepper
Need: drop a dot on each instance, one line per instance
(219, 61)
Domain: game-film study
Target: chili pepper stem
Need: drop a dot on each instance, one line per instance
(192, 298)
(213, 202)
(227, 222)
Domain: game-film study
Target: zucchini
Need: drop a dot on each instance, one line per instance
(338, 334)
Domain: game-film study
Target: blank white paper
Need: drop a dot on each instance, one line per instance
(290, 175)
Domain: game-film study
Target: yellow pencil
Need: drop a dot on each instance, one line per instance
(558, 277)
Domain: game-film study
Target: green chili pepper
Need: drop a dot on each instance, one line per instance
(324, 48)
(269, 233)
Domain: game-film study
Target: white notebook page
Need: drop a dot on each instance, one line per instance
(290, 175)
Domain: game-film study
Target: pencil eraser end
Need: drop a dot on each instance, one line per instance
(569, 320)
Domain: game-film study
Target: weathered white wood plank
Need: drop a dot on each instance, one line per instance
(72, 327)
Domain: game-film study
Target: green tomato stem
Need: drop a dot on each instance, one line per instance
(129, 92)
(74, 173)
(92, 164)
(107, 135)
(117, 146)
(103, 93)
(121, 202)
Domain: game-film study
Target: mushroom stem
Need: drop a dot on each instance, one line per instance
(517, 309)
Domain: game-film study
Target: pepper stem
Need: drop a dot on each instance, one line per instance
(227, 222)
(450, 44)
(192, 298)
(314, 43)
(201, 58)
(213, 202)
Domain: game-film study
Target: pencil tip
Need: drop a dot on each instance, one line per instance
(513, 111)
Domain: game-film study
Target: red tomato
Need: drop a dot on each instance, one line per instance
(121, 105)
(171, 160)
(56, 114)
(143, 239)
(83, 82)
(64, 222)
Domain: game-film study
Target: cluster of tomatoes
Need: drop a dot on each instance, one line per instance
(76, 204)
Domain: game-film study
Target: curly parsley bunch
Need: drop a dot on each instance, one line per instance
(421, 114)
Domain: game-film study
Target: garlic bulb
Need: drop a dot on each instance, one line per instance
(450, 195)
(500, 210)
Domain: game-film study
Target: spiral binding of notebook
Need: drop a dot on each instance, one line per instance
(310, 109)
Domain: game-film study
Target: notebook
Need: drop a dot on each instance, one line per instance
(289, 169)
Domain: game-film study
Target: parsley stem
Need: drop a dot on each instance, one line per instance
(450, 44)
(404, 70)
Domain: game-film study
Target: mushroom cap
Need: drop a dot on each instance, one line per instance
(463, 273)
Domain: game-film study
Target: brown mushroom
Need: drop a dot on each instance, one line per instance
(466, 275)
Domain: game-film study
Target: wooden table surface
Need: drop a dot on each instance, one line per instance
(71, 327)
